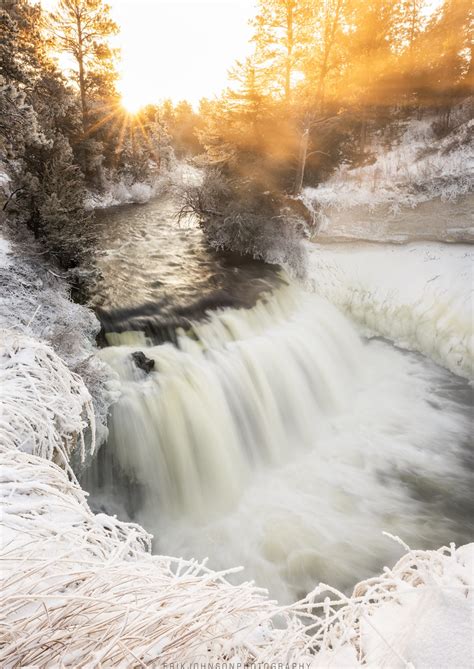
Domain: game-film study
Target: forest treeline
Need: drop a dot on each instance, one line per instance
(323, 72)
(321, 76)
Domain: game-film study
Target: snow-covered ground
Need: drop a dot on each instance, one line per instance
(84, 590)
(408, 192)
(419, 295)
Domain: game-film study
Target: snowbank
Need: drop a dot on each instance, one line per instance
(83, 590)
(376, 201)
(418, 614)
(420, 296)
(419, 168)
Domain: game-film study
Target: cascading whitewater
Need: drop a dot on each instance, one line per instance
(275, 438)
(242, 392)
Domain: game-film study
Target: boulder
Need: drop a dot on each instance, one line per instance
(142, 362)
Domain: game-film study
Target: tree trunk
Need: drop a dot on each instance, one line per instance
(329, 41)
(301, 165)
(82, 78)
(82, 87)
(289, 49)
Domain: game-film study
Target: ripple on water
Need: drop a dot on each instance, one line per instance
(146, 258)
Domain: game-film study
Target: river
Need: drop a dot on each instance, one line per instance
(269, 434)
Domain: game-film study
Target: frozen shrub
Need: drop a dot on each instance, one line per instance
(140, 192)
(239, 215)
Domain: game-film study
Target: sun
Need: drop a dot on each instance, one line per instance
(134, 93)
(131, 103)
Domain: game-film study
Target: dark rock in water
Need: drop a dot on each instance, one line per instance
(142, 362)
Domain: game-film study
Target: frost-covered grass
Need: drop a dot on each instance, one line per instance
(420, 295)
(418, 168)
(45, 407)
(35, 301)
(83, 590)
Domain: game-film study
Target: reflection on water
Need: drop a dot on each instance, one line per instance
(157, 273)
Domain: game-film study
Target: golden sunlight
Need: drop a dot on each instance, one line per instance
(178, 49)
(132, 99)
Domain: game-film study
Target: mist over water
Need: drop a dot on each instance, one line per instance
(276, 439)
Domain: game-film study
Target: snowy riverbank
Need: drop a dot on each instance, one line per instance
(35, 301)
(116, 193)
(419, 295)
(418, 186)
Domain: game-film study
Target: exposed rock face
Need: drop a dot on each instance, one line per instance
(142, 362)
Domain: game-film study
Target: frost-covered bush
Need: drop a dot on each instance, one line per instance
(236, 215)
(35, 301)
(141, 192)
(45, 408)
(123, 189)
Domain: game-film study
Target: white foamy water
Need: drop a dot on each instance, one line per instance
(275, 438)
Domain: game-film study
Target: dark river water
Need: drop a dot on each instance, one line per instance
(271, 436)
(157, 273)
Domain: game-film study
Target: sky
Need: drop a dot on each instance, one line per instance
(181, 49)
(178, 49)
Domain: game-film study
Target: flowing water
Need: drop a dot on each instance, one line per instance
(269, 434)
(157, 273)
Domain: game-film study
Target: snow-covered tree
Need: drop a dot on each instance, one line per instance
(38, 117)
(82, 28)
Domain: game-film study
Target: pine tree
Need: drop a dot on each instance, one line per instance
(60, 206)
(37, 115)
(412, 24)
(371, 49)
(82, 28)
(452, 65)
(326, 55)
(246, 101)
(282, 33)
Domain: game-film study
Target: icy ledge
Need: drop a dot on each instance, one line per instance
(420, 295)
(83, 590)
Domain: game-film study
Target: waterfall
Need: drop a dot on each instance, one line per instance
(242, 391)
(276, 438)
